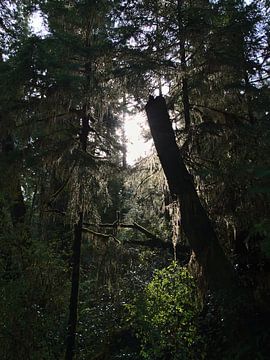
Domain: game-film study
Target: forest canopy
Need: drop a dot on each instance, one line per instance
(168, 258)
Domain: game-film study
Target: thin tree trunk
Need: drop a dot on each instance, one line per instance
(73, 304)
(13, 188)
(249, 99)
(183, 64)
(197, 226)
(76, 253)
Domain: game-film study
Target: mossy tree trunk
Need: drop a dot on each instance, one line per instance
(216, 269)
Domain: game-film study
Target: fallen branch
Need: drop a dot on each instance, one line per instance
(154, 242)
(105, 236)
(134, 225)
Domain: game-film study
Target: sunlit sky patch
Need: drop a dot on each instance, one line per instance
(137, 145)
(38, 25)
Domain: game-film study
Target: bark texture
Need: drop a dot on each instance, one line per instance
(196, 224)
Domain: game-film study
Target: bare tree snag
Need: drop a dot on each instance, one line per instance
(197, 226)
(73, 304)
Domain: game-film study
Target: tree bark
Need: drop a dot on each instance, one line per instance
(73, 304)
(217, 270)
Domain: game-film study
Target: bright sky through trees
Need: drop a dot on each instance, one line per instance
(37, 24)
(137, 146)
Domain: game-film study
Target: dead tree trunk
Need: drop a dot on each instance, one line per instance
(73, 304)
(197, 226)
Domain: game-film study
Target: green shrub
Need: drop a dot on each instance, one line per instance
(165, 317)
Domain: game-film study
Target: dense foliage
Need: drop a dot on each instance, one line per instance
(165, 317)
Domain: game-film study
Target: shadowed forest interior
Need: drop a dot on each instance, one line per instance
(165, 258)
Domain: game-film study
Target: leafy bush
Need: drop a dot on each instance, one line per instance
(164, 318)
